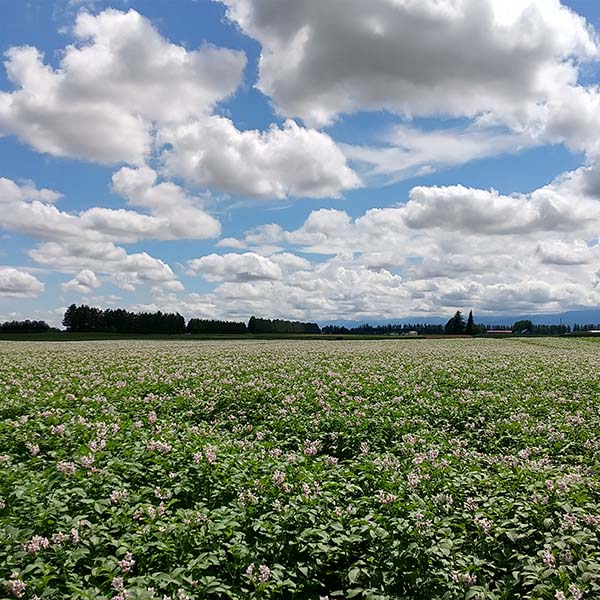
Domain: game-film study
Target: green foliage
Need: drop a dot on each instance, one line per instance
(471, 328)
(523, 325)
(256, 325)
(456, 325)
(211, 326)
(91, 319)
(439, 469)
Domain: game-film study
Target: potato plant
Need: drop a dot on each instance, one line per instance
(421, 469)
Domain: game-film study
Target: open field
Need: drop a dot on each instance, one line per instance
(433, 469)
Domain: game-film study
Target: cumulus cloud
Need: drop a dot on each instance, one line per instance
(83, 283)
(122, 91)
(414, 57)
(173, 214)
(116, 81)
(410, 152)
(446, 248)
(567, 253)
(181, 215)
(279, 162)
(15, 283)
(511, 67)
(84, 242)
(235, 267)
(460, 209)
(127, 271)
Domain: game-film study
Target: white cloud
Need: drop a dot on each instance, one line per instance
(235, 267)
(15, 283)
(410, 152)
(121, 91)
(414, 57)
(181, 215)
(173, 214)
(84, 282)
(118, 79)
(127, 271)
(446, 248)
(279, 162)
(460, 209)
(567, 253)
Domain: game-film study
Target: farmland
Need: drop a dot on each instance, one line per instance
(426, 469)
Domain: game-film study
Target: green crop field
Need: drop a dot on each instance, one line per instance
(432, 469)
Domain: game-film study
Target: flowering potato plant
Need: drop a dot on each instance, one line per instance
(429, 469)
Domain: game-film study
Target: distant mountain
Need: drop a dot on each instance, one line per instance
(571, 317)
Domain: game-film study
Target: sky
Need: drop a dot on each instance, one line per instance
(318, 160)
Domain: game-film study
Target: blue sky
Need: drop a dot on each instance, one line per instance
(321, 160)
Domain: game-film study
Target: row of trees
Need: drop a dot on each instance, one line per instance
(256, 325)
(457, 326)
(24, 327)
(91, 319)
(366, 329)
(213, 326)
(587, 327)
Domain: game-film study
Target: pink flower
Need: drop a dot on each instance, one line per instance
(117, 496)
(385, 497)
(576, 593)
(59, 538)
(263, 573)
(117, 583)
(548, 559)
(159, 446)
(568, 522)
(127, 564)
(66, 467)
(466, 579)
(311, 447)
(486, 525)
(35, 544)
(16, 587)
(34, 449)
(211, 455)
(86, 461)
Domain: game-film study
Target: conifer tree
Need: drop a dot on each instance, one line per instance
(471, 329)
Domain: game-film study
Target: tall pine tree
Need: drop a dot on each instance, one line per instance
(471, 329)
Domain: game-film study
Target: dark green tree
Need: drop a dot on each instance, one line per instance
(456, 325)
(471, 327)
(522, 325)
(69, 317)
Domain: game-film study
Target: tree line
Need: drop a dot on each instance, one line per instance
(256, 325)
(90, 319)
(215, 326)
(26, 326)
(587, 327)
(389, 329)
(457, 326)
